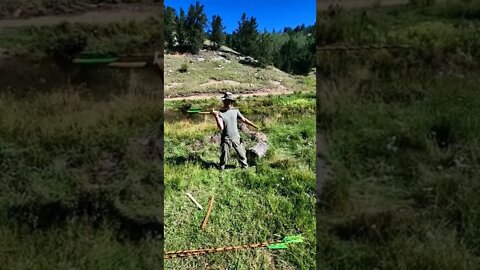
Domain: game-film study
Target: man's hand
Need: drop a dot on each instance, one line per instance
(215, 112)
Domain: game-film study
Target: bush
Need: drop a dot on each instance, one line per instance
(183, 68)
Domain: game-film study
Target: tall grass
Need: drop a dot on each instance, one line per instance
(273, 199)
(402, 148)
(79, 182)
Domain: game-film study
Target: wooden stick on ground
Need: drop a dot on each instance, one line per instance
(209, 210)
(194, 201)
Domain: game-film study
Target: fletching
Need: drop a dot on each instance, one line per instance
(194, 111)
(286, 241)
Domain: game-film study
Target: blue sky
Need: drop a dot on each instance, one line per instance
(270, 14)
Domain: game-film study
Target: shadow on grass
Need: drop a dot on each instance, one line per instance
(97, 210)
(194, 159)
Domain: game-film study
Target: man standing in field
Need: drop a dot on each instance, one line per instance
(226, 120)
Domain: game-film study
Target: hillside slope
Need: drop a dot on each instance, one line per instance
(211, 72)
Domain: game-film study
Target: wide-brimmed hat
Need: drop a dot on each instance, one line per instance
(228, 96)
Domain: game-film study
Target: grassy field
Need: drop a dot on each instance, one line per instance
(276, 198)
(80, 179)
(40, 42)
(14, 9)
(402, 134)
(214, 74)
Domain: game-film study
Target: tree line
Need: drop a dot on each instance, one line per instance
(291, 50)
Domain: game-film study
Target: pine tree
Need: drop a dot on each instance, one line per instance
(170, 27)
(288, 53)
(195, 23)
(217, 35)
(181, 34)
(246, 37)
(228, 40)
(265, 56)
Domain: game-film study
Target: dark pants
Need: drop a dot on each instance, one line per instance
(225, 146)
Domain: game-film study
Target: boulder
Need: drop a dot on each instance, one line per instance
(256, 152)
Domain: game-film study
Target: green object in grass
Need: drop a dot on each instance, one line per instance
(286, 241)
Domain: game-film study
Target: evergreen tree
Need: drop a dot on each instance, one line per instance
(195, 23)
(246, 37)
(228, 40)
(181, 34)
(217, 36)
(288, 52)
(295, 58)
(265, 56)
(291, 50)
(170, 27)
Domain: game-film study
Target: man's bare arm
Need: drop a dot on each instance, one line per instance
(218, 119)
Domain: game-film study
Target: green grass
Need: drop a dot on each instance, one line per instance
(275, 198)
(402, 148)
(37, 42)
(397, 198)
(441, 37)
(61, 149)
(213, 76)
(32, 8)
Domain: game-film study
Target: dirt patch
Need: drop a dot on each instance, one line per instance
(215, 82)
(215, 138)
(173, 85)
(277, 84)
(252, 93)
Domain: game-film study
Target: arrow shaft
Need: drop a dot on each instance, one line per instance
(195, 252)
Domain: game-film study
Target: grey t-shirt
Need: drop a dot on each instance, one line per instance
(230, 127)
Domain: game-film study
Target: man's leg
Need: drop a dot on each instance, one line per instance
(224, 148)
(242, 154)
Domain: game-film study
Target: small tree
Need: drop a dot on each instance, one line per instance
(217, 35)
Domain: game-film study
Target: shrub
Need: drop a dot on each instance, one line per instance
(183, 68)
